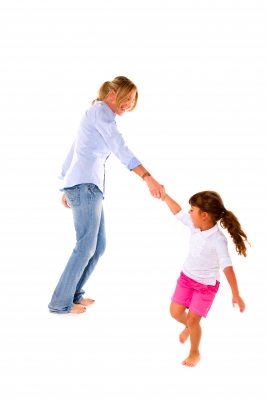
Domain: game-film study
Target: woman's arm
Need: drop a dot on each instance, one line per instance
(67, 162)
(155, 188)
(174, 207)
(107, 128)
(231, 278)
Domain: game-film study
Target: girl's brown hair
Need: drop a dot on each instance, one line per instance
(212, 203)
(122, 87)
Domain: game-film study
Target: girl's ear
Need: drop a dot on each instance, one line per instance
(204, 216)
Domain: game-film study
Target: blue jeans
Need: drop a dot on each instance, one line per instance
(85, 201)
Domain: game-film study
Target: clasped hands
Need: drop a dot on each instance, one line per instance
(156, 189)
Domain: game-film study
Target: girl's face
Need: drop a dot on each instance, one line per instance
(201, 219)
(196, 216)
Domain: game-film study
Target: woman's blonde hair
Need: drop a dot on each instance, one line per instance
(122, 87)
(212, 203)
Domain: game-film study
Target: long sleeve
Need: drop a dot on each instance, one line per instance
(67, 162)
(96, 139)
(114, 140)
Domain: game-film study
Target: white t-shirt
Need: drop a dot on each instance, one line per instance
(208, 252)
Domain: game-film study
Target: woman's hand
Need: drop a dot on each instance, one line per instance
(156, 189)
(64, 202)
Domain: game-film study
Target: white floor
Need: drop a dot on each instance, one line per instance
(200, 124)
(126, 345)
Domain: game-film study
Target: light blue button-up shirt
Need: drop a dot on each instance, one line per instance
(96, 139)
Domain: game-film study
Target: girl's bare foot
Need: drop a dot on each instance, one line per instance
(192, 360)
(184, 335)
(77, 309)
(86, 302)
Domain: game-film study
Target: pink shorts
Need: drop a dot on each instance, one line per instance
(194, 295)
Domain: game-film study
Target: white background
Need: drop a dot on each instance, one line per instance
(200, 124)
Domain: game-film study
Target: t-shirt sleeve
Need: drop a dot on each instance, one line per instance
(115, 141)
(185, 218)
(223, 253)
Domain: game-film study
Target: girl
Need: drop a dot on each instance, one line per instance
(199, 281)
(83, 178)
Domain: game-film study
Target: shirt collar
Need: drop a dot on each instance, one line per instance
(108, 109)
(209, 232)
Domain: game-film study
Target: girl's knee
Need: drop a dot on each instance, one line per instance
(172, 313)
(193, 319)
(176, 310)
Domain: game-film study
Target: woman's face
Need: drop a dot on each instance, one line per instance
(126, 104)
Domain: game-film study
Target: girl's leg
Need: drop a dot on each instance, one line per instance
(101, 244)
(179, 313)
(86, 205)
(193, 323)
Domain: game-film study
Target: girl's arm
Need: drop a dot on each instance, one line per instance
(231, 278)
(174, 207)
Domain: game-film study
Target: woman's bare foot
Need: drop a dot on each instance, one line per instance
(184, 335)
(77, 309)
(192, 360)
(86, 302)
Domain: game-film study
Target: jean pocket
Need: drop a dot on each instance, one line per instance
(72, 196)
(94, 189)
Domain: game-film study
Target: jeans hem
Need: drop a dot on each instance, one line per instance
(78, 301)
(65, 311)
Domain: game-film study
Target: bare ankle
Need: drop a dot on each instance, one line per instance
(194, 352)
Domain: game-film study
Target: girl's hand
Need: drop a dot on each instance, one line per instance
(240, 302)
(64, 202)
(156, 189)
(231, 278)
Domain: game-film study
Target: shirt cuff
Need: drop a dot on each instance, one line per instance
(226, 263)
(134, 162)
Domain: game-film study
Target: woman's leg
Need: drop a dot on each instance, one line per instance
(100, 248)
(193, 322)
(86, 205)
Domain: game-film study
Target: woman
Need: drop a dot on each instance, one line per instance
(83, 178)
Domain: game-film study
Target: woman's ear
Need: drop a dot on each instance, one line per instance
(112, 95)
